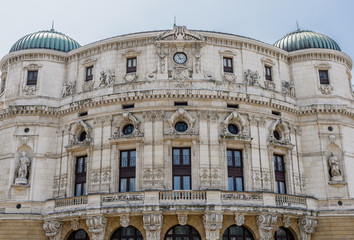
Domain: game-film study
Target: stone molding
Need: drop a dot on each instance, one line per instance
(152, 225)
(97, 226)
(266, 224)
(127, 118)
(181, 115)
(212, 224)
(53, 229)
(239, 121)
(307, 226)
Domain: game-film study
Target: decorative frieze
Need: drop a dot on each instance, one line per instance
(53, 229)
(212, 224)
(97, 226)
(152, 225)
(266, 224)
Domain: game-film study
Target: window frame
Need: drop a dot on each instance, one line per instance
(234, 171)
(228, 65)
(268, 73)
(127, 173)
(89, 73)
(133, 68)
(323, 81)
(80, 178)
(279, 173)
(181, 170)
(32, 82)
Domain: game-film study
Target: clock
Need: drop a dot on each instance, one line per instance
(180, 58)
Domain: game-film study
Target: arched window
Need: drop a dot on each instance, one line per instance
(79, 235)
(127, 233)
(182, 232)
(283, 234)
(236, 232)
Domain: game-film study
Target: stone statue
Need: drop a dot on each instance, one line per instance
(334, 166)
(23, 169)
(69, 89)
(252, 78)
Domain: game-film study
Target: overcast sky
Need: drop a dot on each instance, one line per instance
(264, 20)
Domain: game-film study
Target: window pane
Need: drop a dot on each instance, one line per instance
(79, 165)
(186, 183)
(176, 157)
(84, 189)
(134, 62)
(239, 184)
(132, 159)
(123, 185)
(276, 186)
(132, 184)
(124, 160)
(186, 160)
(282, 187)
(176, 183)
(231, 184)
(229, 158)
(78, 190)
(280, 163)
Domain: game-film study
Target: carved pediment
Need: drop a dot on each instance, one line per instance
(180, 33)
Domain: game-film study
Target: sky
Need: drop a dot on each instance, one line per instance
(91, 21)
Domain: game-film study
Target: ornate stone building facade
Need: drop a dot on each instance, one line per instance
(176, 134)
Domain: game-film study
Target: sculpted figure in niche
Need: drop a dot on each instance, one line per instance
(334, 165)
(23, 169)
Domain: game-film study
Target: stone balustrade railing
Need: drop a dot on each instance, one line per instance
(173, 198)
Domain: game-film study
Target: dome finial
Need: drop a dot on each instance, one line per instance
(52, 30)
(297, 26)
(174, 22)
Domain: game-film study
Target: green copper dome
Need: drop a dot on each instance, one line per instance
(49, 39)
(303, 39)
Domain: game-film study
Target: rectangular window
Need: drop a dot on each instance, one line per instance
(268, 73)
(235, 170)
(181, 159)
(131, 65)
(323, 77)
(32, 78)
(228, 68)
(127, 171)
(89, 73)
(80, 176)
(279, 172)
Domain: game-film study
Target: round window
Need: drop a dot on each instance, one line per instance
(181, 126)
(233, 129)
(82, 136)
(128, 129)
(276, 135)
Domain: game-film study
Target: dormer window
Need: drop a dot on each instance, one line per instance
(268, 73)
(131, 65)
(89, 73)
(323, 76)
(32, 78)
(228, 68)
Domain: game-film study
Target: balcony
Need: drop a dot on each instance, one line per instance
(179, 200)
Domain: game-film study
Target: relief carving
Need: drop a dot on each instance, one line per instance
(88, 86)
(107, 78)
(182, 218)
(239, 121)
(229, 77)
(127, 118)
(251, 78)
(239, 219)
(212, 224)
(326, 89)
(97, 226)
(269, 84)
(181, 115)
(124, 220)
(266, 224)
(179, 33)
(153, 177)
(307, 226)
(131, 77)
(288, 88)
(30, 90)
(152, 225)
(69, 89)
(53, 229)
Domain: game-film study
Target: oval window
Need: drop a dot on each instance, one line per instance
(128, 129)
(233, 129)
(181, 126)
(276, 135)
(82, 136)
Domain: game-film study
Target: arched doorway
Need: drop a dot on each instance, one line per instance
(127, 233)
(179, 232)
(236, 232)
(283, 234)
(79, 235)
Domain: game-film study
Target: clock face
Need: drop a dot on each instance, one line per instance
(180, 58)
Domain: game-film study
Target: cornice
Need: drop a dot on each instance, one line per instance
(171, 94)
